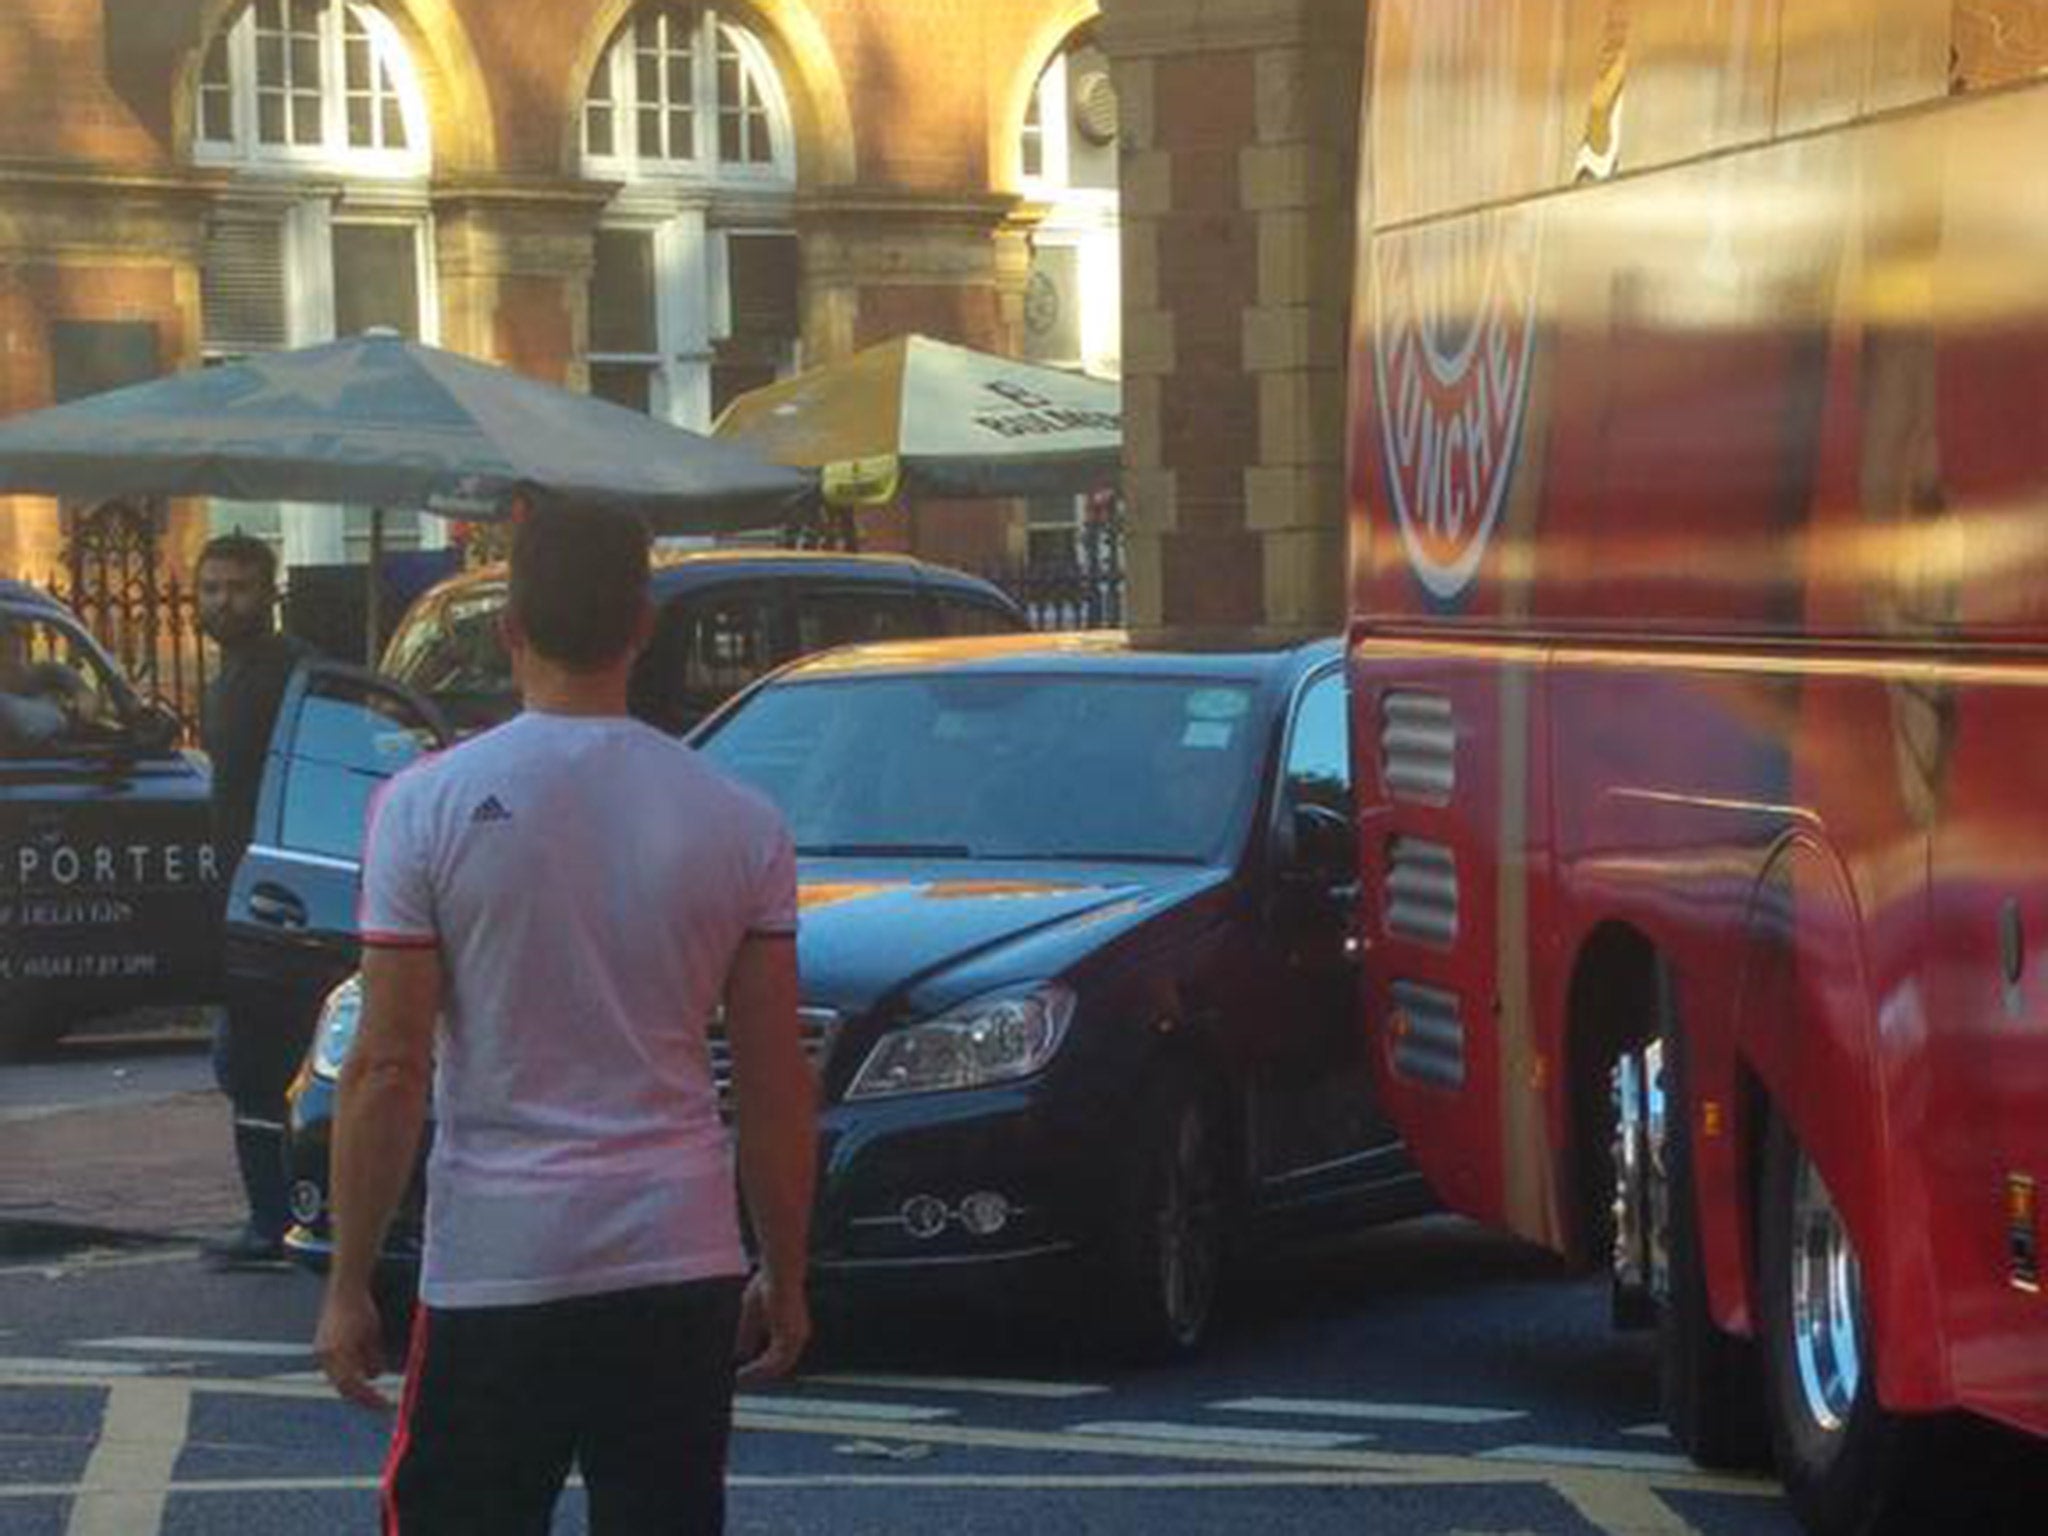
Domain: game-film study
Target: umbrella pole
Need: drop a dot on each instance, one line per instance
(373, 604)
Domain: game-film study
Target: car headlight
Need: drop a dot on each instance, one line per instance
(989, 1040)
(336, 1031)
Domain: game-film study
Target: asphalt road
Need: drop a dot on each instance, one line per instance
(1426, 1380)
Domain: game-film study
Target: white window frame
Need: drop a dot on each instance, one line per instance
(702, 164)
(333, 154)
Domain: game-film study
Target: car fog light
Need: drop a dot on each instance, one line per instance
(306, 1202)
(984, 1213)
(924, 1216)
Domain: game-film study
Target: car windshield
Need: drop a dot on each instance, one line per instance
(1001, 765)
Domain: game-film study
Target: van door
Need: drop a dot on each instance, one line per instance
(341, 733)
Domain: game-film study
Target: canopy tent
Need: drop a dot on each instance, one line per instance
(925, 417)
(385, 423)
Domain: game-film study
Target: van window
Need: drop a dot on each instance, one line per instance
(455, 655)
(707, 646)
(55, 693)
(963, 615)
(851, 615)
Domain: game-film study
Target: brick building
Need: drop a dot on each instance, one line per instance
(666, 202)
(662, 203)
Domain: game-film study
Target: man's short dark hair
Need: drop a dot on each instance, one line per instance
(579, 583)
(245, 550)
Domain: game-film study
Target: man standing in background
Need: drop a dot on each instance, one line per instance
(553, 913)
(257, 1047)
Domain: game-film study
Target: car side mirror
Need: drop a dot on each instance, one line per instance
(1322, 847)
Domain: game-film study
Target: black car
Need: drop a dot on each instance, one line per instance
(725, 617)
(1077, 957)
(108, 892)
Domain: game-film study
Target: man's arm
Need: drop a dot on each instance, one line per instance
(775, 1097)
(380, 1114)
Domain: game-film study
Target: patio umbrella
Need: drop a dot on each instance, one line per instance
(926, 417)
(381, 422)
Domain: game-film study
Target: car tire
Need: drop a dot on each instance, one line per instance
(1168, 1239)
(1709, 1380)
(1848, 1465)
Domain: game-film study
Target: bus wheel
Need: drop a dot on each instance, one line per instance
(1845, 1461)
(1709, 1381)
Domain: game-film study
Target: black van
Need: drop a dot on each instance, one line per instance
(725, 618)
(108, 887)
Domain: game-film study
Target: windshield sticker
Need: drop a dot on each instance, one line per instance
(1218, 704)
(1207, 735)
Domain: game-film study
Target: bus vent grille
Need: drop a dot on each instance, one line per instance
(1429, 1035)
(1418, 747)
(1422, 892)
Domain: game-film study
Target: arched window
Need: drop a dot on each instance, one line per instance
(312, 83)
(684, 92)
(694, 296)
(1073, 301)
(325, 229)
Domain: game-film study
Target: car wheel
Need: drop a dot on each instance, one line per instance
(1845, 1461)
(1170, 1230)
(1708, 1379)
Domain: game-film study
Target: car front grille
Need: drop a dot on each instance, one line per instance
(819, 1026)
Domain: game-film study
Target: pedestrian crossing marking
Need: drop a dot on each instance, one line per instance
(1588, 1456)
(1218, 1434)
(969, 1385)
(127, 1481)
(1345, 1408)
(34, 1365)
(830, 1408)
(252, 1348)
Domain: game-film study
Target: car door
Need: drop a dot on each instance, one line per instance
(341, 733)
(1317, 1131)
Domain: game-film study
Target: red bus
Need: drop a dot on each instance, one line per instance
(1699, 663)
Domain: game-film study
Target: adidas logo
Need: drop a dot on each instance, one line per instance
(493, 809)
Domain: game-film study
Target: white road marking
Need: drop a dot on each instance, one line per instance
(1218, 1434)
(1345, 1408)
(297, 1349)
(1648, 1431)
(127, 1483)
(31, 1365)
(1590, 1456)
(828, 1408)
(973, 1385)
(98, 1259)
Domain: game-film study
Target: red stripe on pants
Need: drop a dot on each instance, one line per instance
(401, 1435)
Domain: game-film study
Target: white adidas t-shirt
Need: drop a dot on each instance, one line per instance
(587, 882)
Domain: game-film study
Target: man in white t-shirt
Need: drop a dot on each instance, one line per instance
(573, 896)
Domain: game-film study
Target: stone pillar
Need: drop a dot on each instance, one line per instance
(515, 260)
(1241, 127)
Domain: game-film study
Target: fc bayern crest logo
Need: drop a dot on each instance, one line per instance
(1455, 289)
(1454, 388)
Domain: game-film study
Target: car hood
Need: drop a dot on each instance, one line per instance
(869, 931)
